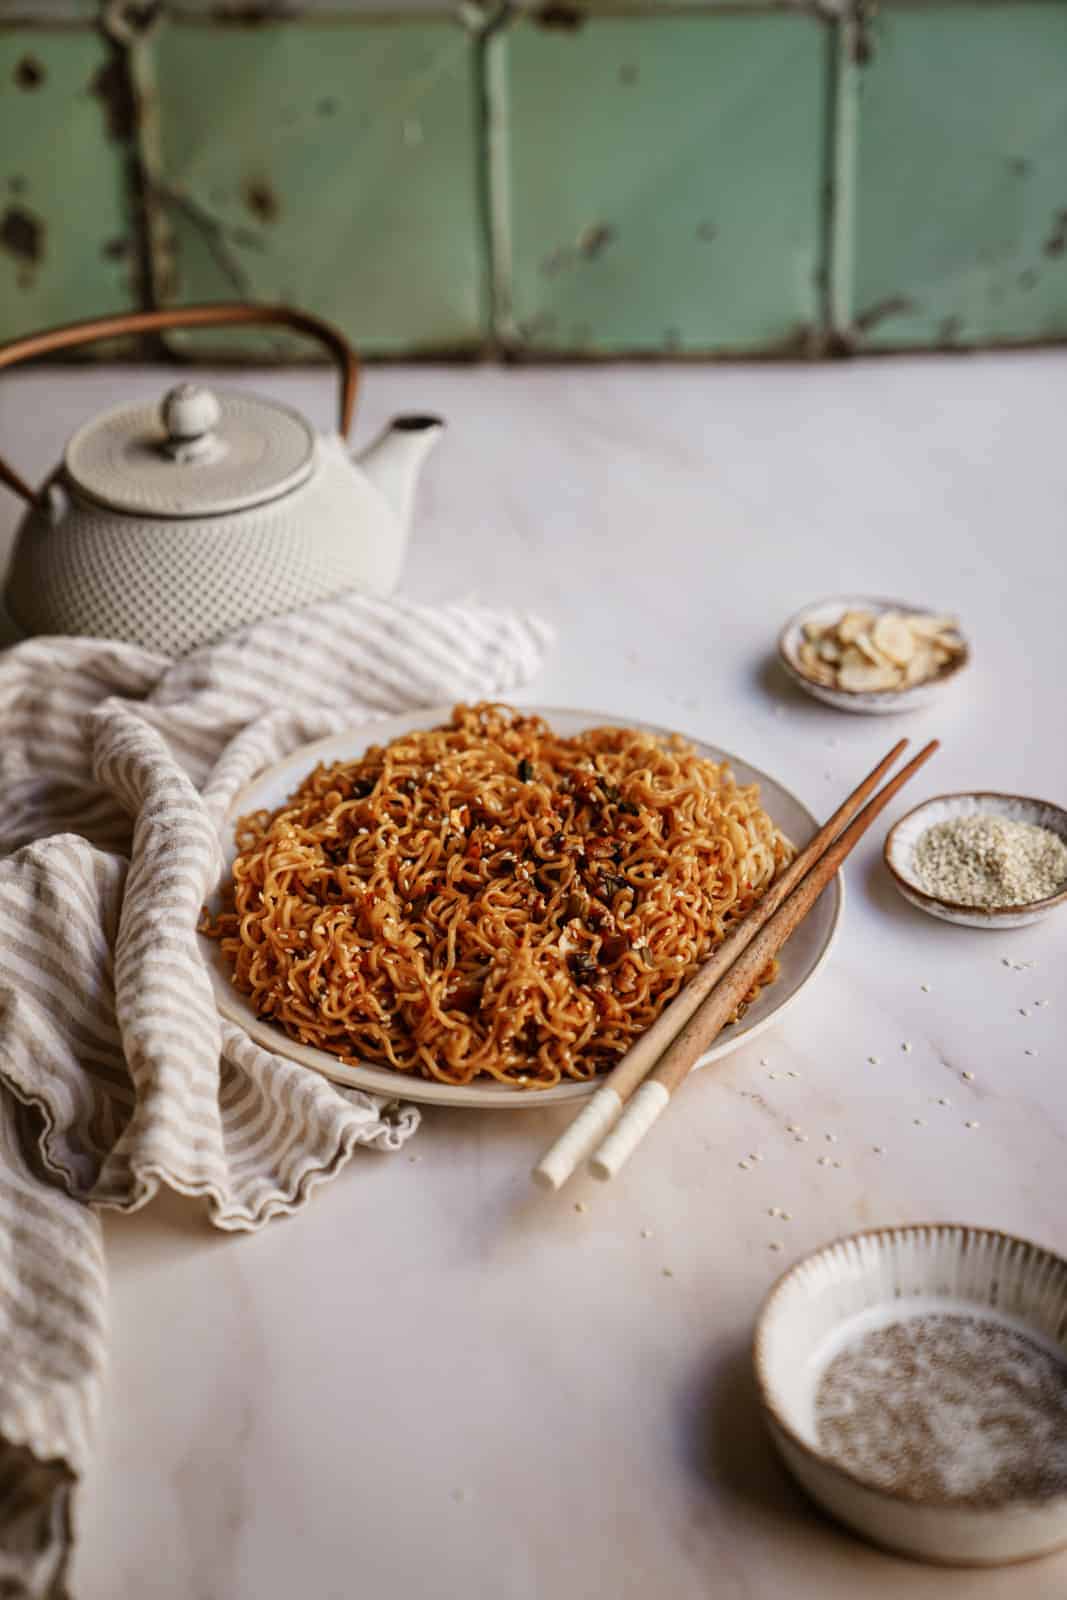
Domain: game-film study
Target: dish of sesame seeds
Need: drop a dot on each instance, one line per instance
(981, 859)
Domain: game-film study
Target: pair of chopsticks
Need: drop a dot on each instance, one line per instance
(641, 1086)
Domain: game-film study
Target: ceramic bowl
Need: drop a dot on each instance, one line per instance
(869, 702)
(955, 1494)
(899, 853)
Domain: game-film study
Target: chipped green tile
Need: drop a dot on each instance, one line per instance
(333, 164)
(961, 198)
(659, 185)
(65, 237)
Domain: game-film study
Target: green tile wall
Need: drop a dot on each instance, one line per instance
(66, 246)
(661, 182)
(961, 201)
(332, 163)
(794, 178)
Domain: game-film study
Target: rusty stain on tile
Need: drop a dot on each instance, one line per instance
(801, 341)
(596, 238)
(557, 14)
(1056, 243)
(29, 73)
(895, 306)
(261, 199)
(112, 86)
(22, 235)
(253, 15)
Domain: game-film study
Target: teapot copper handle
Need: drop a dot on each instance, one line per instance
(211, 316)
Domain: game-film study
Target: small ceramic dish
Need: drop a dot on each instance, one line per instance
(870, 702)
(903, 836)
(915, 1383)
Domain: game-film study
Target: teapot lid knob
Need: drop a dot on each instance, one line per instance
(189, 411)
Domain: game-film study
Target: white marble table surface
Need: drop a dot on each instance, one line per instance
(435, 1381)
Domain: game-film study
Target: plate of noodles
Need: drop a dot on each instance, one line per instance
(486, 906)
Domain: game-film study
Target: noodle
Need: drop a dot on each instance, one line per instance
(489, 898)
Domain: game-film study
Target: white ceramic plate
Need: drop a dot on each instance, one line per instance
(865, 1285)
(869, 702)
(899, 853)
(800, 959)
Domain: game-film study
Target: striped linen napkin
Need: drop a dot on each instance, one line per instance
(116, 769)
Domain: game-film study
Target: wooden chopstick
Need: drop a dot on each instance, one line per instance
(674, 1065)
(598, 1114)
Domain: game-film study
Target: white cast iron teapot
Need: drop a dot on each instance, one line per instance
(172, 526)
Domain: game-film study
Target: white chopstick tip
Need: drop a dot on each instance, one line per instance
(575, 1142)
(647, 1104)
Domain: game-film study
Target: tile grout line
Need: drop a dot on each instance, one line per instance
(131, 58)
(839, 195)
(493, 151)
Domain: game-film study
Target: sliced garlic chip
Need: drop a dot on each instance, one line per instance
(867, 677)
(893, 636)
(852, 624)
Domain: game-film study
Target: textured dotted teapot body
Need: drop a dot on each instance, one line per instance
(171, 526)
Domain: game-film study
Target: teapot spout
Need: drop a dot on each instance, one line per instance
(393, 462)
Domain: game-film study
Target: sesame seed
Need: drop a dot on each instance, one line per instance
(800, 1138)
(971, 1124)
(1005, 962)
(772, 1211)
(906, 1047)
(1040, 1002)
(824, 1161)
(837, 1163)
(968, 1077)
(831, 1138)
(925, 987)
(792, 1074)
(754, 1155)
(919, 1123)
(1029, 1052)
(786, 1216)
(580, 1205)
(943, 1102)
(1023, 1011)
(875, 1061)
(774, 1245)
(667, 1273)
(745, 1166)
(792, 1127)
(773, 1076)
(646, 1233)
(879, 1149)
(764, 1062)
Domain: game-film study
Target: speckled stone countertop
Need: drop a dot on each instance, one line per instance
(510, 1397)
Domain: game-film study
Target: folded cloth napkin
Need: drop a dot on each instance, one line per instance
(116, 1072)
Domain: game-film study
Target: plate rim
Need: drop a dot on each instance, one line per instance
(492, 1096)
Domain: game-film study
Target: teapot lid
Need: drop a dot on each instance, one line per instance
(199, 453)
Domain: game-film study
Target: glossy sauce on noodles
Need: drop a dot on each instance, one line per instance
(490, 898)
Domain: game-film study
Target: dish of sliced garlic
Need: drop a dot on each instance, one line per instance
(865, 650)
